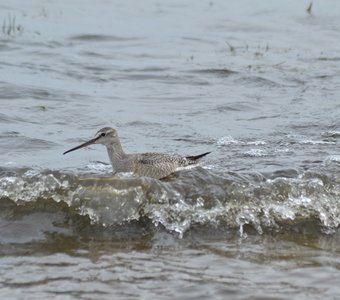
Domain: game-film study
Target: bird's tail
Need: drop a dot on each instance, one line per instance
(193, 159)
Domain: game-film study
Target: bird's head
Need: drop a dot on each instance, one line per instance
(104, 136)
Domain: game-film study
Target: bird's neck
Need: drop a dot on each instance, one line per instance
(115, 150)
(116, 155)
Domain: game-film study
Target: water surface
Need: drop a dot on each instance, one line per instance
(254, 82)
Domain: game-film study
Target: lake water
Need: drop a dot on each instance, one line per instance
(254, 82)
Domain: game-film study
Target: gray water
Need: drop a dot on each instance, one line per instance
(254, 82)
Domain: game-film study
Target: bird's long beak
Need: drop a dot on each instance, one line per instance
(90, 142)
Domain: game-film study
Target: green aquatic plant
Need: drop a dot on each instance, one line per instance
(309, 8)
(41, 107)
(231, 47)
(9, 26)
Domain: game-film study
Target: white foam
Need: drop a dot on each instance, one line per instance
(256, 153)
(332, 133)
(94, 166)
(227, 140)
(335, 158)
(257, 143)
(312, 142)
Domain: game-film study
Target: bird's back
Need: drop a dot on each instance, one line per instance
(158, 165)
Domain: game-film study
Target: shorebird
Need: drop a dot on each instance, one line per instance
(156, 165)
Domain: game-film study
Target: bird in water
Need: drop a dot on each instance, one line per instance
(150, 164)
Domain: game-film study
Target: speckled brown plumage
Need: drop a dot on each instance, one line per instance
(156, 165)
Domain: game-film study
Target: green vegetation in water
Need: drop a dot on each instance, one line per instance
(9, 26)
(231, 48)
(309, 8)
(41, 107)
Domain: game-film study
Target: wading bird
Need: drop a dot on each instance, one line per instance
(150, 164)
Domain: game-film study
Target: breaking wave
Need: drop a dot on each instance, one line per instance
(259, 203)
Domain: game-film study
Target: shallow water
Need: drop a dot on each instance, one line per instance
(255, 82)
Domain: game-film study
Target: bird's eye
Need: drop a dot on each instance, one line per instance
(103, 134)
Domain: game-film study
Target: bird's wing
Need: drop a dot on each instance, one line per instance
(158, 165)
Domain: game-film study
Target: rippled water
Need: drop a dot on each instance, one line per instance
(254, 82)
